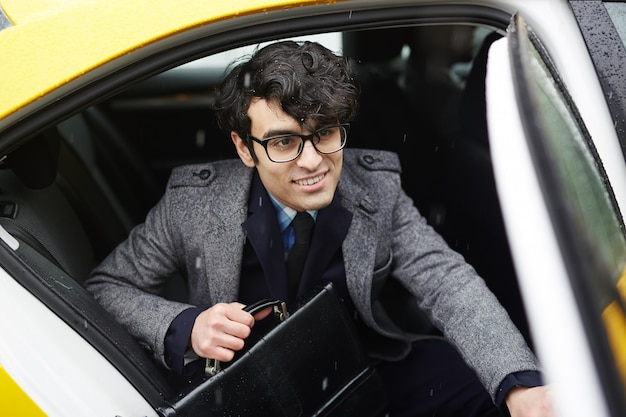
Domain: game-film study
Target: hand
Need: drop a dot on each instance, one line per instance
(220, 331)
(530, 402)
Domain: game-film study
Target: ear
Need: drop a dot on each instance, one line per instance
(242, 150)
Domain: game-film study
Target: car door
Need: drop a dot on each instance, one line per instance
(564, 225)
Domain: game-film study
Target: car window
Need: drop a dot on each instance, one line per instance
(617, 13)
(583, 209)
(4, 20)
(414, 80)
(589, 199)
(116, 156)
(222, 60)
(603, 27)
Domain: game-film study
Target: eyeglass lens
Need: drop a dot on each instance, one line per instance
(287, 147)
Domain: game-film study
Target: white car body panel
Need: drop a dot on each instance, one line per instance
(47, 358)
(556, 324)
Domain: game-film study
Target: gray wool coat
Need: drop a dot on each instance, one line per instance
(195, 231)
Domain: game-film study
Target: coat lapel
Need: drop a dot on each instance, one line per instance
(359, 246)
(263, 231)
(225, 237)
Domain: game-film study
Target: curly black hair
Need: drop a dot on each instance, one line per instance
(308, 80)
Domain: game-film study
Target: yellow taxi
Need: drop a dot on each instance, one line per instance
(509, 117)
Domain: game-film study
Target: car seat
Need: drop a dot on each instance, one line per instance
(113, 164)
(386, 118)
(36, 210)
(57, 255)
(56, 198)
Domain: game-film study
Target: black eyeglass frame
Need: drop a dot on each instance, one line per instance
(310, 137)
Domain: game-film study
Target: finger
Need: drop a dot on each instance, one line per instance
(262, 314)
(222, 354)
(236, 313)
(236, 329)
(231, 343)
(221, 348)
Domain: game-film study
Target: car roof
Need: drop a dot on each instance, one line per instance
(52, 43)
(46, 44)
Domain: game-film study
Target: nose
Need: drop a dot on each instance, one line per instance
(309, 158)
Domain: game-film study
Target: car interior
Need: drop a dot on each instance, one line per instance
(73, 192)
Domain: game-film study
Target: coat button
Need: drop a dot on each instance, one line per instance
(369, 159)
(204, 174)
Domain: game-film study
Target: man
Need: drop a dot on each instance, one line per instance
(226, 228)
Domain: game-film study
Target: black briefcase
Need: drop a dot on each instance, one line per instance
(308, 364)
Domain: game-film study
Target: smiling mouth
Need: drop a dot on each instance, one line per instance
(310, 181)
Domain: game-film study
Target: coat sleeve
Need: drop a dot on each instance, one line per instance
(456, 299)
(447, 289)
(129, 281)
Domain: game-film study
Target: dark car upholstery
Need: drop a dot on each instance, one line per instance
(42, 211)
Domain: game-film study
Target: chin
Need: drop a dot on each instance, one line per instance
(318, 204)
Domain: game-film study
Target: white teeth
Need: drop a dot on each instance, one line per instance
(310, 181)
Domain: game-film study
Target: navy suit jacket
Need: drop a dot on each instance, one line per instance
(263, 272)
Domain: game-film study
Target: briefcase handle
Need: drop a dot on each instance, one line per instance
(279, 307)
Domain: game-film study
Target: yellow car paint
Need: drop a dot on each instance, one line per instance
(614, 320)
(53, 42)
(13, 400)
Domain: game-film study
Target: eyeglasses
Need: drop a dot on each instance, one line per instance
(287, 147)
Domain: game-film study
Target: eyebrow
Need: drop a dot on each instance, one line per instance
(278, 132)
(285, 131)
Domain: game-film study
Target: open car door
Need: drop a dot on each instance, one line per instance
(564, 226)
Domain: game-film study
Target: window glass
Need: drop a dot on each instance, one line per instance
(4, 20)
(587, 195)
(588, 203)
(221, 60)
(617, 13)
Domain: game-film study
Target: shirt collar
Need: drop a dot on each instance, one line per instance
(286, 214)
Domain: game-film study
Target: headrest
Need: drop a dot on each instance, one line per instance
(35, 162)
(473, 105)
(374, 45)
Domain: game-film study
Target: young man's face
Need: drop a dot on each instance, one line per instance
(306, 183)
